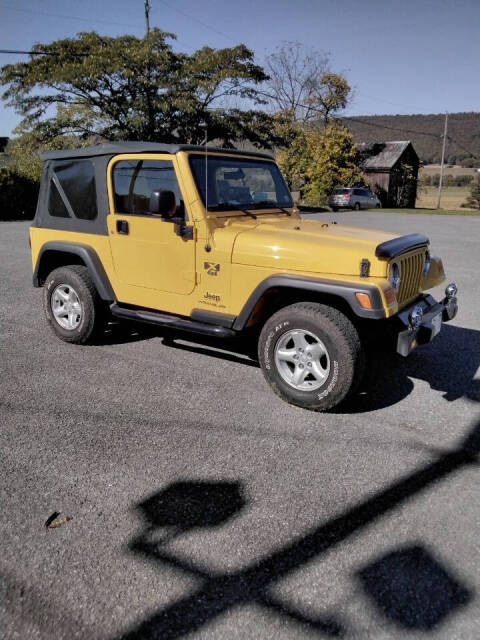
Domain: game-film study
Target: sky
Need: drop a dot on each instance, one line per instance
(400, 56)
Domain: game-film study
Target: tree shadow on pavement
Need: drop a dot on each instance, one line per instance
(188, 505)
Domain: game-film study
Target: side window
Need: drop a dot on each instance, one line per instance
(134, 181)
(357, 192)
(76, 179)
(56, 206)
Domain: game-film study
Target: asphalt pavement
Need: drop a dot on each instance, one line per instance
(202, 506)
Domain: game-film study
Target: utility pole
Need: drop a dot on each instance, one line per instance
(443, 160)
(147, 22)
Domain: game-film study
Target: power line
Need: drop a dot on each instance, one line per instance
(78, 18)
(39, 53)
(88, 20)
(385, 126)
(369, 124)
(459, 144)
(394, 104)
(204, 24)
(65, 17)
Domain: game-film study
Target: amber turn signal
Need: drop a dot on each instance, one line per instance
(364, 300)
(389, 295)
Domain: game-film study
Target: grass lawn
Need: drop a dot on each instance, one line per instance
(438, 212)
(452, 197)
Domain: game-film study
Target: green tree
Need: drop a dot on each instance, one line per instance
(121, 88)
(473, 200)
(18, 195)
(320, 160)
(23, 152)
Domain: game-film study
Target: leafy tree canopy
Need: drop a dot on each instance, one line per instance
(127, 88)
(316, 161)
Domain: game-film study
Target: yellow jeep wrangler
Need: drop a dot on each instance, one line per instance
(209, 241)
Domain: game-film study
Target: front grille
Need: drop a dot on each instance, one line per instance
(411, 268)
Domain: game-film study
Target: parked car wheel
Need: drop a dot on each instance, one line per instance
(357, 206)
(72, 305)
(311, 355)
(335, 209)
(378, 205)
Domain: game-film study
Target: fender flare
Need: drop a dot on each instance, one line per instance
(90, 259)
(342, 290)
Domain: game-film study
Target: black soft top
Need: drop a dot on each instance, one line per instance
(114, 148)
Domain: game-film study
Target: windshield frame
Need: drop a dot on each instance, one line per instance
(225, 207)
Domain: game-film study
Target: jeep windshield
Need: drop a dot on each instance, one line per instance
(228, 183)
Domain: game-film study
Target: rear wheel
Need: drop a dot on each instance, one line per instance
(335, 209)
(311, 355)
(72, 305)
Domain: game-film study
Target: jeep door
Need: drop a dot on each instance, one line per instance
(147, 252)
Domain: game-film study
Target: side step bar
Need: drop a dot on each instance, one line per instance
(173, 322)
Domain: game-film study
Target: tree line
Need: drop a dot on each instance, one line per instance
(88, 89)
(424, 131)
(91, 88)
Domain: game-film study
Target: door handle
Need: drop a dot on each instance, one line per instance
(122, 227)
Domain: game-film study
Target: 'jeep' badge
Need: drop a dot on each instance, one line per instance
(211, 268)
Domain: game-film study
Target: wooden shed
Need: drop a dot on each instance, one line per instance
(391, 170)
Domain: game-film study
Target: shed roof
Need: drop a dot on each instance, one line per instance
(384, 155)
(113, 148)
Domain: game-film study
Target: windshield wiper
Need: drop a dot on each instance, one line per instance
(248, 213)
(229, 206)
(267, 204)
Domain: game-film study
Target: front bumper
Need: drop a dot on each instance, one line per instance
(434, 314)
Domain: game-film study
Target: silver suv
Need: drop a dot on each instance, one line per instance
(353, 198)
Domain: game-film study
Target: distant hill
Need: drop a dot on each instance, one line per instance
(425, 131)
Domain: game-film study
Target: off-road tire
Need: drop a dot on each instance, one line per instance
(93, 313)
(357, 206)
(341, 340)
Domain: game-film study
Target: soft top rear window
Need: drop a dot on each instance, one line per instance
(77, 182)
(229, 182)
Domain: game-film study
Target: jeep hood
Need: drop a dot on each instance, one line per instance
(309, 245)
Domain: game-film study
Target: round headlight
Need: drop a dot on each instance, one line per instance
(394, 275)
(427, 263)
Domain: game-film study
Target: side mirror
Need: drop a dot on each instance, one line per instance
(163, 203)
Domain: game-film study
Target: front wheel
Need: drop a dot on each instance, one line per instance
(311, 355)
(357, 206)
